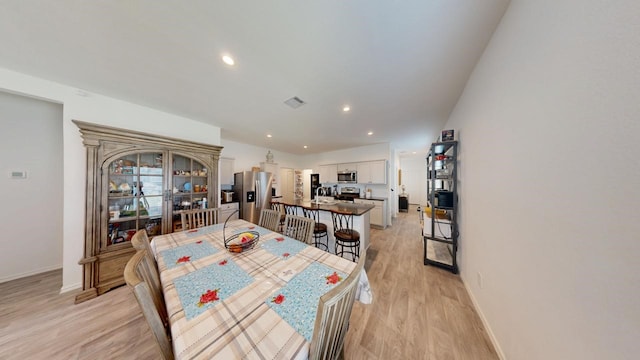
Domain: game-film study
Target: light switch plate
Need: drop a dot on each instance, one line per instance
(18, 174)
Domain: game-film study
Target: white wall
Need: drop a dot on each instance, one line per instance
(247, 156)
(549, 175)
(31, 139)
(102, 110)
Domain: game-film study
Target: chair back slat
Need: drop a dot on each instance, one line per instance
(138, 274)
(269, 219)
(311, 214)
(299, 228)
(332, 317)
(197, 218)
(290, 209)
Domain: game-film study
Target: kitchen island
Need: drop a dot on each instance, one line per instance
(326, 206)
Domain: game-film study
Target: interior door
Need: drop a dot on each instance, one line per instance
(286, 185)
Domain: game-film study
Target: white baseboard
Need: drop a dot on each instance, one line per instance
(485, 323)
(71, 287)
(29, 273)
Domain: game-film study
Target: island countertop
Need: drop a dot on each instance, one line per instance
(342, 207)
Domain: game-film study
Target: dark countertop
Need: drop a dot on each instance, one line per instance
(355, 209)
(375, 198)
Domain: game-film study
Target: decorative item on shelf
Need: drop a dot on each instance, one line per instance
(124, 187)
(447, 135)
(239, 242)
(269, 157)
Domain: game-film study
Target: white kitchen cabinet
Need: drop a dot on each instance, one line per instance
(378, 215)
(347, 167)
(226, 171)
(372, 172)
(228, 209)
(328, 173)
(364, 173)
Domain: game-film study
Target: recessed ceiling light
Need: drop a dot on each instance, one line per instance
(346, 108)
(228, 60)
(269, 135)
(414, 152)
(305, 146)
(370, 133)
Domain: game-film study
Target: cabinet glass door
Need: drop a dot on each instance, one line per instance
(190, 187)
(135, 201)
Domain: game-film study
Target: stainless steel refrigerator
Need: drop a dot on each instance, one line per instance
(254, 193)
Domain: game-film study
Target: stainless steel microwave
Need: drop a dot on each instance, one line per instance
(347, 177)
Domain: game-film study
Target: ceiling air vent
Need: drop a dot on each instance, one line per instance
(295, 102)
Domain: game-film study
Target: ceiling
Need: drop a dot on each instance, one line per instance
(400, 65)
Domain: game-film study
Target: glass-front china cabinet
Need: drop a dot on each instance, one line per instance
(137, 181)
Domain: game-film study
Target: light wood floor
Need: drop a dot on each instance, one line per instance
(418, 312)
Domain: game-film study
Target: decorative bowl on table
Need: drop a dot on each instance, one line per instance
(239, 242)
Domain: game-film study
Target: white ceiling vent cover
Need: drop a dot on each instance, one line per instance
(295, 102)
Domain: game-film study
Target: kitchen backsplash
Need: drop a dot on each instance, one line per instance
(376, 190)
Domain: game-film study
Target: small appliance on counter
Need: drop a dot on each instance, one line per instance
(227, 196)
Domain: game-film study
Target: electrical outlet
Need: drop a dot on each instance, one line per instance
(479, 278)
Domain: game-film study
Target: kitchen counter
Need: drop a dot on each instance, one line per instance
(342, 207)
(375, 198)
(361, 220)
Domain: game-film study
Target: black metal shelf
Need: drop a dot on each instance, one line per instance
(440, 250)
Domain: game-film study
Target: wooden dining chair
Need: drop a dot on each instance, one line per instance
(269, 219)
(137, 275)
(192, 219)
(279, 207)
(299, 228)
(347, 238)
(332, 317)
(140, 241)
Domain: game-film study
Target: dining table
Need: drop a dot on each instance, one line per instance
(260, 303)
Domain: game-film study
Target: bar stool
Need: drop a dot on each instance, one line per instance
(347, 239)
(320, 230)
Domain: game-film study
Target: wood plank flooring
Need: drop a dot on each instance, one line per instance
(418, 312)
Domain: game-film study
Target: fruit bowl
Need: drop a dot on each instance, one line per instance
(240, 242)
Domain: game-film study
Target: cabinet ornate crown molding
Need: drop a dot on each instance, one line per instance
(164, 164)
